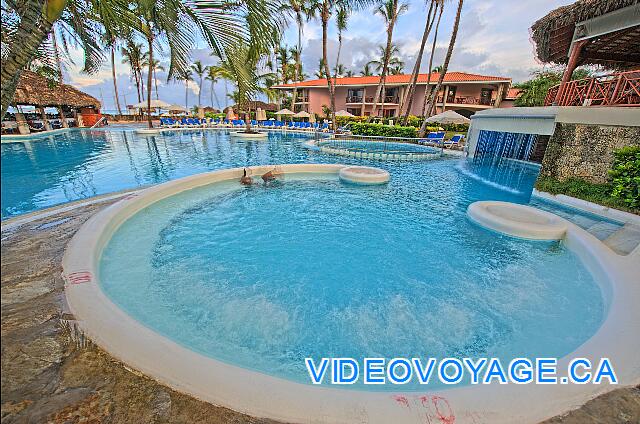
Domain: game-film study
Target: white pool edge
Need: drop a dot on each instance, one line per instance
(265, 396)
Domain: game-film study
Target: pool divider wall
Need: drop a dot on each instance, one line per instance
(265, 396)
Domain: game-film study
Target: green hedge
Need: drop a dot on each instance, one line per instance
(625, 176)
(380, 130)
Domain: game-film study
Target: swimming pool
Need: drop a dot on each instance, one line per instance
(263, 276)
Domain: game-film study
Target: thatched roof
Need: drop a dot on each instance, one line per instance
(272, 107)
(554, 32)
(34, 89)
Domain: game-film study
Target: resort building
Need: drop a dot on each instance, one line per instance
(462, 92)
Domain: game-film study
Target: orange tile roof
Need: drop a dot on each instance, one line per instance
(398, 79)
(513, 93)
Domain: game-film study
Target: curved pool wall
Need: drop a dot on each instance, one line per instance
(262, 395)
(375, 149)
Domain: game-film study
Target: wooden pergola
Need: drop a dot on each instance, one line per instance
(597, 32)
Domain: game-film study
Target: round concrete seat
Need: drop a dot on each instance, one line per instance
(243, 134)
(517, 220)
(147, 131)
(364, 175)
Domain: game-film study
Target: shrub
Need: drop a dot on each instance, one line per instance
(343, 120)
(625, 176)
(380, 130)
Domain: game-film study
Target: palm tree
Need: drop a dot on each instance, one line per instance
(172, 22)
(348, 73)
(199, 70)
(296, 9)
(407, 100)
(378, 64)
(433, 50)
(283, 59)
(390, 10)
(339, 71)
(133, 55)
(366, 70)
(320, 73)
(437, 69)
(186, 76)
(155, 66)
(342, 16)
(443, 71)
(213, 76)
(396, 68)
(325, 8)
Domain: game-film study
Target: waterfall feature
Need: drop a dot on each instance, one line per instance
(500, 160)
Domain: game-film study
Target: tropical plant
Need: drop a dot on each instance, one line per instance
(443, 71)
(407, 99)
(437, 69)
(625, 176)
(348, 73)
(199, 69)
(174, 23)
(534, 91)
(390, 10)
(378, 64)
(380, 130)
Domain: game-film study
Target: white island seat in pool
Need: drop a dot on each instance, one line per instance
(364, 175)
(518, 220)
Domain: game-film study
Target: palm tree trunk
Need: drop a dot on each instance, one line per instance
(113, 74)
(407, 99)
(330, 81)
(294, 94)
(200, 93)
(186, 95)
(150, 81)
(385, 65)
(34, 27)
(445, 65)
(155, 82)
(427, 88)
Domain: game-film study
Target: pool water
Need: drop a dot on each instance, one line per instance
(262, 277)
(78, 164)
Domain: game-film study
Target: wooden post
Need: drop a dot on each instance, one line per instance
(500, 94)
(572, 63)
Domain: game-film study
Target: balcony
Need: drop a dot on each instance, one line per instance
(468, 100)
(302, 99)
(620, 89)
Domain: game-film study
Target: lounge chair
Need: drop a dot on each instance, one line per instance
(455, 140)
(433, 137)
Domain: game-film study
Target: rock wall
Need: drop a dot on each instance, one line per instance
(585, 151)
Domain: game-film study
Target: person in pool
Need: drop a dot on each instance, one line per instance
(246, 180)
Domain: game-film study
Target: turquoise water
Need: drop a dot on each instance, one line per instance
(264, 276)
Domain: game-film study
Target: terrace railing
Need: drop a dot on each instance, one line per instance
(619, 89)
(468, 100)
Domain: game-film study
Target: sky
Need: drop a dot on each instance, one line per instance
(493, 39)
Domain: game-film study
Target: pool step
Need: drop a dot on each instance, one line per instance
(625, 239)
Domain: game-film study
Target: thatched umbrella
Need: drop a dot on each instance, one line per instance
(36, 90)
(554, 32)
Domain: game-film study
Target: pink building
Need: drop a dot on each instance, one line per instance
(463, 92)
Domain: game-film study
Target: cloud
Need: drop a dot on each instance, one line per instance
(493, 39)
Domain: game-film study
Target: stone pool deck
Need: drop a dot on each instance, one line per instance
(51, 374)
